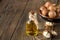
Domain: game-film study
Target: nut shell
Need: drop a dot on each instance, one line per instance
(52, 14)
(46, 34)
(44, 12)
(47, 4)
(52, 7)
(42, 8)
(58, 9)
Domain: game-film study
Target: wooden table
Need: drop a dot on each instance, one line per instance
(14, 14)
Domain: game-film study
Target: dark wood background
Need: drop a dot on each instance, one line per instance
(14, 14)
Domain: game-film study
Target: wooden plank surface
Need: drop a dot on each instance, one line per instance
(6, 35)
(4, 16)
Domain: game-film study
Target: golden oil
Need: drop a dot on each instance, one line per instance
(31, 28)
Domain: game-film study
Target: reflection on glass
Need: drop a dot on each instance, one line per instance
(31, 28)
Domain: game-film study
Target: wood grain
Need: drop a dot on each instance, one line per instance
(7, 34)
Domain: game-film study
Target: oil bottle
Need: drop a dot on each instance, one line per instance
(31, 27)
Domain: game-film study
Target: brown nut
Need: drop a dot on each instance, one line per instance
(58, 9)
(47, 4)
(52, 14)
(58, 15)
(44, 12)
(52, 7)
(42, 8)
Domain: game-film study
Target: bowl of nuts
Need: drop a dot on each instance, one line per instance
(50, 12)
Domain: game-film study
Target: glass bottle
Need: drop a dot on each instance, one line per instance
(31, 27)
